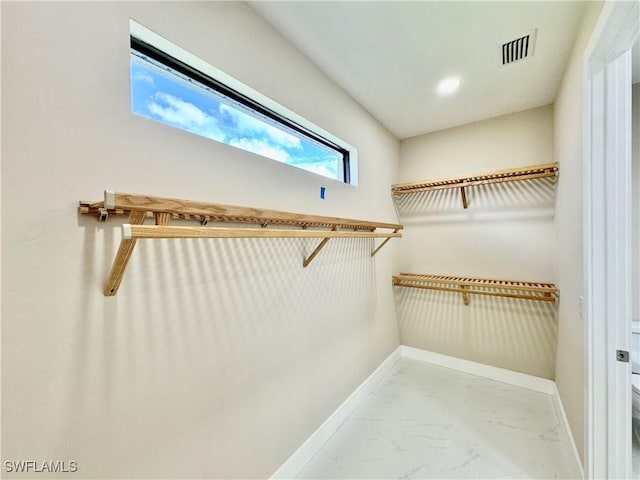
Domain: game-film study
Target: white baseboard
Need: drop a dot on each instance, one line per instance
(296, 462)
(315, 442)
(518, 379)
(557, 400)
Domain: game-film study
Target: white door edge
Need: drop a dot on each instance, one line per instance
(607, 239)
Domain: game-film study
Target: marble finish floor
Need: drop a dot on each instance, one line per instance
(426, 421)
(635, 448)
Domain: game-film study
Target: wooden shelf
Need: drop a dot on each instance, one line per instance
(544, 292)
(163, 210)
(512, 175)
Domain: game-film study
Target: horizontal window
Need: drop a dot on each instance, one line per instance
(172, 91)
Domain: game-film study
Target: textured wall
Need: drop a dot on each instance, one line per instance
(217, 358)
(506, 233)
(568, 134)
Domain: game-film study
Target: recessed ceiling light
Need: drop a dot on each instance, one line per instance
(448, 85)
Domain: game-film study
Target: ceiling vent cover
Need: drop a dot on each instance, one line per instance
(518, 49)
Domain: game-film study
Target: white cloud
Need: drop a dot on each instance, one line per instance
(249, 125)
(143, 76)
(248, 134)
(211, 132)
(260, 147)
(175, 111)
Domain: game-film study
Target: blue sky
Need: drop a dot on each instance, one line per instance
(163, 97)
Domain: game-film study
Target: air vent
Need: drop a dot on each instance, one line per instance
(518, 49)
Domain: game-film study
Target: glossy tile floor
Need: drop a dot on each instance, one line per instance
(426, 421)
(635, 445)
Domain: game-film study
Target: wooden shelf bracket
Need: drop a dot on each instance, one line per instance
(463, 194)
(122, 257)
(324, 241)
(270, 225)
(544, 292)
(465, 295)
(384, 242)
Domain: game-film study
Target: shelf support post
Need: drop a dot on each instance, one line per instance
(136, 217)
(383, 243)
(465, 295)
(320, 246)
(463, 194)
(162, 218)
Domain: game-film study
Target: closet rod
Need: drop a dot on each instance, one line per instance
(465, 291)
(532, 172)
(122, 203)
(478, 282)
(158, 231)
(543, 292)
(163, 210)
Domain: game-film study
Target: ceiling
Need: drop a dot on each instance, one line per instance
(390, 56)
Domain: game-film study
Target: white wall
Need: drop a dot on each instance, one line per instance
(635, 168)
(217, 358)
(506, 233)
(568, 133)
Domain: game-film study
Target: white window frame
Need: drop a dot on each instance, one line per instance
(144, 34)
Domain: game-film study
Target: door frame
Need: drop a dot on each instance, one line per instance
(607, 239)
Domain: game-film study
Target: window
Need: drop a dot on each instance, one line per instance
(184, 92)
